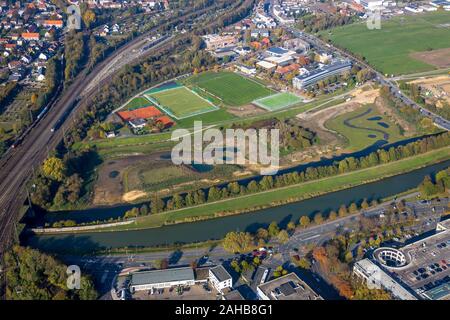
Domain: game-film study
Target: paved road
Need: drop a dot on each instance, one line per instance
(98, 266)
(315, 41)
(19, 163)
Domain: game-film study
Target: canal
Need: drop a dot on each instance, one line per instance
(217, 228)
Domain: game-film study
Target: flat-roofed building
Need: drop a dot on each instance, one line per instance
(214, 41)
(371, 4)
(311, 77)
(146, 280)
(376, 278)
(281, 61)
(233, 295)
(288, 287)
(220, 278)
(419, 270)
(266, 65)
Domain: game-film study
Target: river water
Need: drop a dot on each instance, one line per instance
(217, 228)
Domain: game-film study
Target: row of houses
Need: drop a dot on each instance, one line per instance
(31, 33)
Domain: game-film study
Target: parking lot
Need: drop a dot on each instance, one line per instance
(196, 292)
(430, 263)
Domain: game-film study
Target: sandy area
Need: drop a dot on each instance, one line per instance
(438, 86)
(133, 195)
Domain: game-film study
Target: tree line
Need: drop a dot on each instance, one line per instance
(348, 164)
(31, 275)
(317, 22)
(439, 185)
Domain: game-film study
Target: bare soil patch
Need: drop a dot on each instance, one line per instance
(439, 58)
(133, 195)
(439, 87)
(109, 187)
(245, 111)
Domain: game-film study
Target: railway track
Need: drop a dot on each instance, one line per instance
(18, 165)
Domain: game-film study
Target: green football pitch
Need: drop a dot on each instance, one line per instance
(180, 102)
(232, 88)
(389, 49)
(278, 101)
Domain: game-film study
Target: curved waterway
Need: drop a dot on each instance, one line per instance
(104, 213)
(217, 228)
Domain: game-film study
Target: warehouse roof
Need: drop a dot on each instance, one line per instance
(161, 276)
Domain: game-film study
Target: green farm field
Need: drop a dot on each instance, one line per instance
(181, 102)
(231, 88)
(389, 49)
(363, 127)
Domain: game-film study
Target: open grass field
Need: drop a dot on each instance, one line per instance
(278, 101)
(301, 191)
(363, 127)
(162, 176)
(181, 102)
(232, 88)
(390, 48)
(136, 103)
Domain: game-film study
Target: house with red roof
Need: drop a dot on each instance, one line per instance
(30, 36)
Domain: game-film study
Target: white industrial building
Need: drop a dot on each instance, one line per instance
(220, 278)
(155, 279)
(419, 270)
(311, 77)
(371, 4)
(376, 278)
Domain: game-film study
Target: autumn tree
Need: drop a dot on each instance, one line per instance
(304, 221)
(54, 168)
(237, 241)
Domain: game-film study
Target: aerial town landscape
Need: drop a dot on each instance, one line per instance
(224, 150)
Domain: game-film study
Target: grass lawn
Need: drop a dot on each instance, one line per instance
(388, 49)
(149, 176)
(155, 177)
(298, 192)
(136, 103)
(181, 102)
(230, 87)
(369, 127)
(278, 101)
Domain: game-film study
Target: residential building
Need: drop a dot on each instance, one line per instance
(53, 23)
(256, 33)
(287, 287)
(297, 44)
(220, 278)
(30, 36)
(137, 123)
